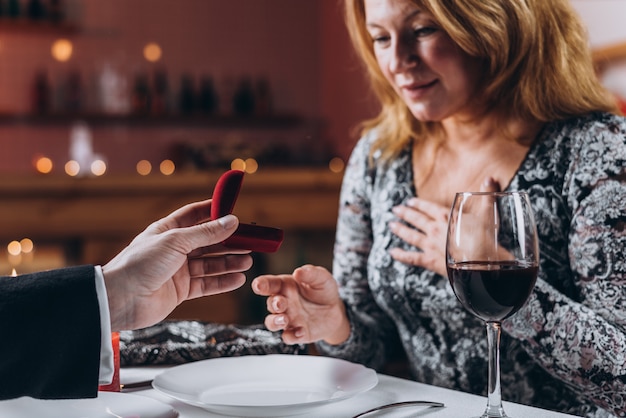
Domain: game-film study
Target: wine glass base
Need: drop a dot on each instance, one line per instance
(499, 414)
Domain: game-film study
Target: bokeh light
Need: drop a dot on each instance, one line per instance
(251, 165)
(72, 168)
(43, 165)
(14, 248)
(98, 167)
(238, 164)
(62, 50)
(144, 167)
(152, 52)
(336, 165)
(167, 167)
(27, 245)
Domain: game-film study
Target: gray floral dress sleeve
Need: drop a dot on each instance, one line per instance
(566, 349)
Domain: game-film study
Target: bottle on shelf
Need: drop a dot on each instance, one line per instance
(208, 100)
(55, 11)
(113, 93)
(41, 93)
(243, 100)
(160, 94)
(263, 95)
(14, 9)
(73, 100)
(141, 95)
(187, 95)
(36, 10)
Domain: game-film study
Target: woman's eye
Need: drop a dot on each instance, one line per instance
(381, 39)
(421, 32)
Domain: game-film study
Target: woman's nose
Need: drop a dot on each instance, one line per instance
(404, 55)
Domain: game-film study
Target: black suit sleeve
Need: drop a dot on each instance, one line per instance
(50, 331)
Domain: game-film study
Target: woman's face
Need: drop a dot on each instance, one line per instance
(433, 75)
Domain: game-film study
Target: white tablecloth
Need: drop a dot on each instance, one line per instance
(389, 389)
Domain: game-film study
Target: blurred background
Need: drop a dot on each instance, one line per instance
(114, 113)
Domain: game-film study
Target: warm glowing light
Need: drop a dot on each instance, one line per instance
(27, 245)
(238, 164)
(251, 165)
(72, 168)
(152, 52)
(14, 273)
(14, 248)
(167, 167)
(43, 165)
(98, 167)
(62, 50)
(144, 167)
(336, 165)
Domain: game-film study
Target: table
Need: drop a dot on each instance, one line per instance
(389, 389)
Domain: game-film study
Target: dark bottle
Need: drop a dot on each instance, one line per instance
(55, 11)
(263, 97)
(141, 95)
(14, 9)
(243, 100)
(160, 93)
(208, 100)
(36, 10)
(41, 93)
(187, 96)
(73, 93)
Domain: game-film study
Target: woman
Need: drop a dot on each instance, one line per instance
(475, 95)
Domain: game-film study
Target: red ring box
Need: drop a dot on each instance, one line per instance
(262, 239)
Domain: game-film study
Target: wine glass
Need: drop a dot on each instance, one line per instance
(492, 258)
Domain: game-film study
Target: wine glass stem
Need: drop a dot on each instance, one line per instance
(494, 400)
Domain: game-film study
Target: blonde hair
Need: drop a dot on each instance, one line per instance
(537, 62)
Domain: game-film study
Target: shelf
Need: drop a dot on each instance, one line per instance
(43, 27)
(119, 206)
(256, 122)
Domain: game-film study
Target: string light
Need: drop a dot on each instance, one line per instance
(152, 52)
(167, 167)
(144, 167)
(43, 165)
(251, 165)
(72, 168)
(336, 165)
(98, 167)
(62, 50)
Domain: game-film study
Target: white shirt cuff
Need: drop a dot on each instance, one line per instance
(106, 346)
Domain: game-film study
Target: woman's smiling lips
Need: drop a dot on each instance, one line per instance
(416, 90)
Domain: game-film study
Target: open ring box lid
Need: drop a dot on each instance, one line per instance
(253, 237)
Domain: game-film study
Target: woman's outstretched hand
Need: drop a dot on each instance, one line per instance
(305, 305)
(175, 259)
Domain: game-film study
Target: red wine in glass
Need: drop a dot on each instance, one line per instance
(492, 259)
(492, 291)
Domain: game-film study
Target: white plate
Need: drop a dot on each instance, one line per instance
(106, 405)
(265, 385)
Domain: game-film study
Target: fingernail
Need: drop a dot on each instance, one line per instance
(227, 221)
(299, 333)
(280, 320)
(397, 210)
(275, 305)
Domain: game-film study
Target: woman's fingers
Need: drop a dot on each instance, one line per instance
(269, 284)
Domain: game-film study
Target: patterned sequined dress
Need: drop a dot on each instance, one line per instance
(566, 349)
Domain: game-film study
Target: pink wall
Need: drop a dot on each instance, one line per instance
(300, 46)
